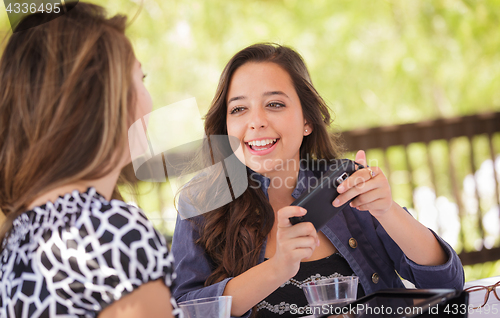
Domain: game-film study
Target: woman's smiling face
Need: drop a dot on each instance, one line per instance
(265, 114)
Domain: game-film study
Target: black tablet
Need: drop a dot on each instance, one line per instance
(399, 303)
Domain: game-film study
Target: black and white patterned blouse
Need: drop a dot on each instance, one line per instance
(76, 256)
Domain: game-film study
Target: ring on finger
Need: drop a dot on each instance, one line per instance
(372, 174)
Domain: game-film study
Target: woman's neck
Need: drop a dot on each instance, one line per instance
(282, 183)
(104, 186)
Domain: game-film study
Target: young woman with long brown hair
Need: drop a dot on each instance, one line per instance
(248, 248)
(71, 88)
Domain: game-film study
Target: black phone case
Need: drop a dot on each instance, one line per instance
(318, 200)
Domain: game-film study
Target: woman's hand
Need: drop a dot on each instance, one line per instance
(371, 188)
(374, 194)
(293, 242)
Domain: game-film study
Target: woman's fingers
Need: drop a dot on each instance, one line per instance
(355, 185)
(373, 206)
(296, 249)
(361, 157)
(301, 242)
(284, 215)
(366, 198)
(293, 242)
(368, 188)
(297, 230)
(359, 178)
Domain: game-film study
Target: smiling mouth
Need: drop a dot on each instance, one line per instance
(261, 145)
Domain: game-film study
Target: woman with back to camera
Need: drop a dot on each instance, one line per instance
(248, 248)
(71, 88)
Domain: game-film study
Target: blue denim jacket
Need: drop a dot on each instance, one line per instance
(373, 256)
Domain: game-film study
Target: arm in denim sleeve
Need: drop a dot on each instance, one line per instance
(447, 275)
(192, 265)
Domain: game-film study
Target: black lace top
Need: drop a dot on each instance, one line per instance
(290, 293)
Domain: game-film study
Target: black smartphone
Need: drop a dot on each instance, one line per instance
(317, 200)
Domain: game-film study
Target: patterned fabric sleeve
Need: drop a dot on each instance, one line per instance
(101, 254)
(78, 255)
(125, 251)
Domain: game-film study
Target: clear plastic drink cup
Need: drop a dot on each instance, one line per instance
(213, 307)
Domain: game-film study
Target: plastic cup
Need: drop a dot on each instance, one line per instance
(332, 292)
(216, 307)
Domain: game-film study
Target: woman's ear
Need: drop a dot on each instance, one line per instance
(307, 129)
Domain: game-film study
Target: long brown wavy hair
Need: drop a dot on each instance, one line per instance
(65, 103)
(233, 235)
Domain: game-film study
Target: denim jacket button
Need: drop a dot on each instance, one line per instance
(353, 243)
(375, 278)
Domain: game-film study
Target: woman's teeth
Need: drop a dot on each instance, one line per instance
(260, 145)
(261, 142)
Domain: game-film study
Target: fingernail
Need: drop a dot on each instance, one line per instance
(336, 202)
(340, 188)
(317, 242)
(304, 211)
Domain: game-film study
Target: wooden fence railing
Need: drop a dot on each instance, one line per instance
(472, 139)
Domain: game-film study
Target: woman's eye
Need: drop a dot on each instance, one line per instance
(276, 105)
(236, 109)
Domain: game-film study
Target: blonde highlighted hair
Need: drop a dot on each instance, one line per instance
(65, 103)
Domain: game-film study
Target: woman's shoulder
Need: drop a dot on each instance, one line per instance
(89, 215)
(110, 227)
(86, 250)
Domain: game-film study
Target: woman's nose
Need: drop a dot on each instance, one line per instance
(258, 119)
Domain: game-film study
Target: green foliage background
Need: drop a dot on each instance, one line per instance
(375, 62)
